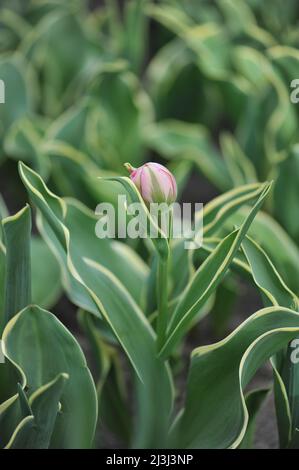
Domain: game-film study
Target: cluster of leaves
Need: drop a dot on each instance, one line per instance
(85, 92)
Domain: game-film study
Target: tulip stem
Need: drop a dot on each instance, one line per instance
(162, 292)
(162, 297)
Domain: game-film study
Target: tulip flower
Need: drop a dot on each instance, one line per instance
(157, 185)
(154, 182)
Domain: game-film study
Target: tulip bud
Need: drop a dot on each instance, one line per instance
(154, 182)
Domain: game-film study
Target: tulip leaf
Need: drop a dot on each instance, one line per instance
(282, 404)
(167, 74)
(241, 168)
(112, 391)
(62, 68)
(23, 141)
(104, 295)
(207, 278)
(17, 233)
(286, 184)
(45, 403)
(215, 413)
(223, 308)
(254, 400)
(82, 223)
(266, 276)
(181, 267)
(135, 32)
(21, 438)
(42, 348)
(2, 286)
(43, 408)
(274, 240)
(43, 265)
(11, 410)
(125, 110)
(285, 373)
(46, 282)
(14, 73)
(170, 16)
(222, 207)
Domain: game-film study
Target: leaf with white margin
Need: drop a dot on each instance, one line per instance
(22, 433)
(43, 407)
(274, 240)
(254, 400)
(276, 292)
(69, 214)
(215, 414)
(41, 348)
(207, 278)
(222, 207)
(104, 295)
(267, 278)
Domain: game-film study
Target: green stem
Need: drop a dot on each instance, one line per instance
(162, 293)
(162, 297)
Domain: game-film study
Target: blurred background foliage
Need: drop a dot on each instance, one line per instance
(201, 85)
(204, 85)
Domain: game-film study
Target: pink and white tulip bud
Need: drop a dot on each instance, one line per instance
(154, 182)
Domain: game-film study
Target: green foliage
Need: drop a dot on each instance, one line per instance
(205, 88)
(46, 385)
